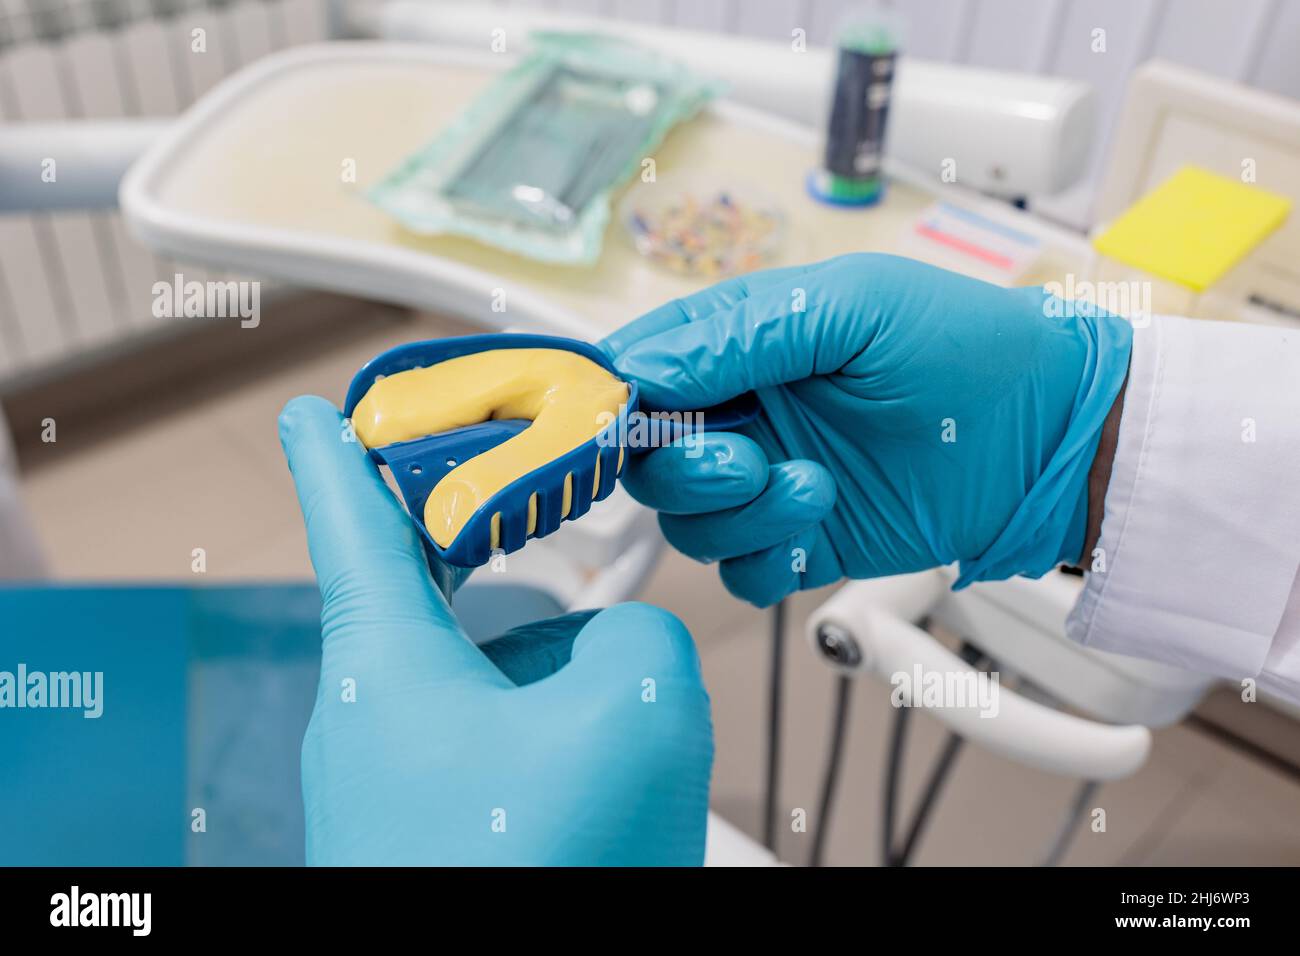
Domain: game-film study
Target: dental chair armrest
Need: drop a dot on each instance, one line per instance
(873, 623)
(89, 159)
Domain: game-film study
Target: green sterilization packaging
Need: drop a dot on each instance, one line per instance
(529, 166)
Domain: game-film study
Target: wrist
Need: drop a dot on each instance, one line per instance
(1099, 476)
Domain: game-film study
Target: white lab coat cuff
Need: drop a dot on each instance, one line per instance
(1202, 515)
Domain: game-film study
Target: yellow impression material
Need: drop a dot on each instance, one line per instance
(1193, 227)
(568, 398)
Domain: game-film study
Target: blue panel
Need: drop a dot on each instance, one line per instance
(254, 668)
(110, 790)
(207, 692)
(206, 695)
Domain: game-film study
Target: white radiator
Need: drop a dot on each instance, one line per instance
(74, 283)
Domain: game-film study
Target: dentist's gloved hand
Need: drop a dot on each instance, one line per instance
(911, 417)
(545, 746)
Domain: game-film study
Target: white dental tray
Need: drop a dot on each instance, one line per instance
(252, 178)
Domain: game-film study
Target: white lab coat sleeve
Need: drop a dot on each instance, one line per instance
(1200, 537)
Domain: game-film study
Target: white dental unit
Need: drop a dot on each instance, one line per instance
(250, 179)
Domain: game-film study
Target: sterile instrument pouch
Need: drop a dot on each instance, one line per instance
(529, 166)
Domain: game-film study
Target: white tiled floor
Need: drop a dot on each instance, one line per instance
(208, 473)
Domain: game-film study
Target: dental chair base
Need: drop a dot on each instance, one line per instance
(1013, 641)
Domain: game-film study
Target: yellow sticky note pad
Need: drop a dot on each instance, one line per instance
(1193, 227)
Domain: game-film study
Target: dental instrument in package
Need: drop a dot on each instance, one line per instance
(495, 439)
(530, 165)
(855, 138)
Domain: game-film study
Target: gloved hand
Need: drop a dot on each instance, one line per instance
(911, 417)
(545, 746)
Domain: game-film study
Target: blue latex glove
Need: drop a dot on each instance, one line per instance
(911, 417)
(548, 723)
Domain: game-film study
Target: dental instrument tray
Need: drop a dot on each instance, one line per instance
(495, 439)
(530, 165)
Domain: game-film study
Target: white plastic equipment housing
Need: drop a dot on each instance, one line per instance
(879, 615)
